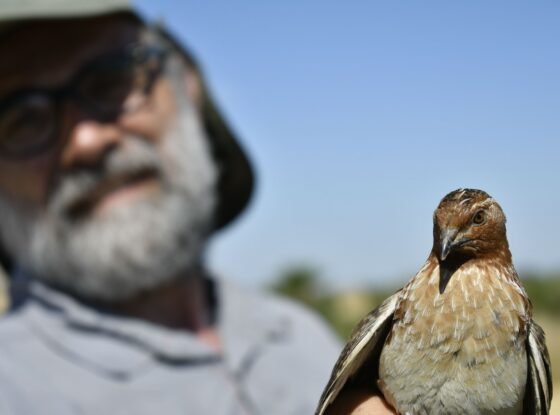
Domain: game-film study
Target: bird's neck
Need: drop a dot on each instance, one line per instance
(465, 275)
(474, 284)
(499, 256)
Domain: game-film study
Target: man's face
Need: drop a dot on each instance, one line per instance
(113, 205)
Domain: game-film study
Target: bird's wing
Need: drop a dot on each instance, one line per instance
(538, 392)
(371, 331)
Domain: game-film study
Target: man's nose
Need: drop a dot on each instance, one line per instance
(88, 143)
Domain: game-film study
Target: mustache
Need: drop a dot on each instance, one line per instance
(73, 191)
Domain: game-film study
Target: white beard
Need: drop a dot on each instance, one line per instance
(129, 248)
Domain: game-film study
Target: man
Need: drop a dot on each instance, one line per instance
(115, 169)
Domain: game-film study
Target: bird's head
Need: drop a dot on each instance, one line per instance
(468, 223)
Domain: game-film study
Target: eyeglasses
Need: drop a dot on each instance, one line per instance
(115, 84)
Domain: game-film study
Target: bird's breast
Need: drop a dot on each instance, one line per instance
(460, 351)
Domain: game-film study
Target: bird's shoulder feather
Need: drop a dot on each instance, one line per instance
(538, 392)
(363, 344)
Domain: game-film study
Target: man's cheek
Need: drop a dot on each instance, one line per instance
(28, 182)
(153, 119)
(24, 187)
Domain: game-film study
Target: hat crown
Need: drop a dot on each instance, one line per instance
(11, 10)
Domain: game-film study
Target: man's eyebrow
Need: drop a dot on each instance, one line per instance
(45, 77)
(71, 76)
(30, 85)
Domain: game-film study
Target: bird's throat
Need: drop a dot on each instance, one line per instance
(447, 269)
(444, 277)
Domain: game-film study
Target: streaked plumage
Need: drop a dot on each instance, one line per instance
(459, 337)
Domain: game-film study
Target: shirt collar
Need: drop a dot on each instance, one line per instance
(120, 346)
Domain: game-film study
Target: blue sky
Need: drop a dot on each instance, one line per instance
(360, 116)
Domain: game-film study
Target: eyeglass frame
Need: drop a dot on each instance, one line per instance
(70, 90)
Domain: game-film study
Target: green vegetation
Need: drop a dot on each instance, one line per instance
(544, 292)
(341, 310)
(344, 309)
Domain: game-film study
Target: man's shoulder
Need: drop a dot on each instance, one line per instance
(294, 357)
(281, 310)
(17, 340)
(12, 327)
(293, 330)
(298, 314)
(18, 380)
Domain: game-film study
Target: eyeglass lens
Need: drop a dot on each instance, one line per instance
(107, 88)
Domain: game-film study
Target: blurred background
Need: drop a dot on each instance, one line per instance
(360, 116)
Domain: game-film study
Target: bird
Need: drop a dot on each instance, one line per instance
(459, 337)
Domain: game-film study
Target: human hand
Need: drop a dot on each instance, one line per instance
(360, 402)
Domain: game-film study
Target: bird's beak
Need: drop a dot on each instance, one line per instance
(447, 242)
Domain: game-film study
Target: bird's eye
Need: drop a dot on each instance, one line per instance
(479, 218)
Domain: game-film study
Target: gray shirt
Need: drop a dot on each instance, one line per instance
(58, 356)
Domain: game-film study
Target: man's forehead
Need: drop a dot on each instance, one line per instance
(47, 53)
